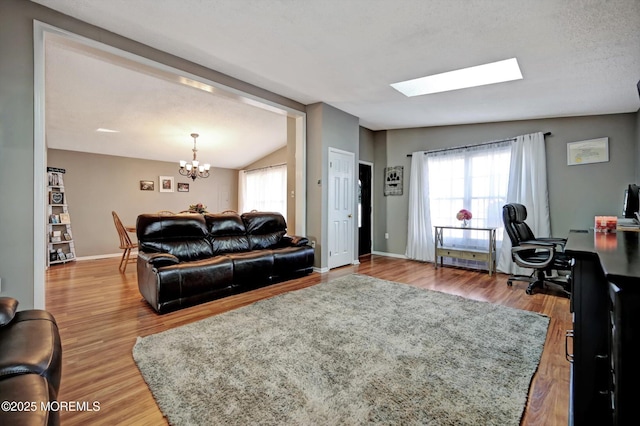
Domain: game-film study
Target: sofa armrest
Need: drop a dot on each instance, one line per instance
(8, 306)
(158, 260)
(295, 241)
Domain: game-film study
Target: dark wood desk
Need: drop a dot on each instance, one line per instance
(605, 302)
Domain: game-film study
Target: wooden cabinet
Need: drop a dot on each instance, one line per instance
(61, 247)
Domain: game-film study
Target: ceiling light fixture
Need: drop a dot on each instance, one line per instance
(194, 169)
(103, 130)
(494, 72)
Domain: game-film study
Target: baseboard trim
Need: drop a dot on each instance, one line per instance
(320, 270)
(104, 256)
(382, 253)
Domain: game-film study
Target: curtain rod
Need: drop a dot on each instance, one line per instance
(266, 167)
(472, 145)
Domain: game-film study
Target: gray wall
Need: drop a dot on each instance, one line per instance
(576, 193)
(327, 127)
(275, 158)
(16, 131)
(367, 145)
(93, 190)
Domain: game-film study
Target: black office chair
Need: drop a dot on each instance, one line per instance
(543, 255)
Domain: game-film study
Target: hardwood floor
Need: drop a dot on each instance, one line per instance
(100, 313)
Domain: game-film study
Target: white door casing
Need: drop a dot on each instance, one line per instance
(341, 206)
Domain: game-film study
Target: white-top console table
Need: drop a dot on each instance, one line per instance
(487, 255)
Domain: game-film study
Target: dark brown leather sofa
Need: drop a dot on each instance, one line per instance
(30, 366)
(186, 259)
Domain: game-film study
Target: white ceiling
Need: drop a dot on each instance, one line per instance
(577, 57)
(154, 111)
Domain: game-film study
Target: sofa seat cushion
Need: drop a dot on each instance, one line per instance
(227, 233)
(252, 267)
(187, 279)
(29, 389)
(288, 260)
(31, 344)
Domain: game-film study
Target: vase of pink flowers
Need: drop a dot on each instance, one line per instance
(198, 208)
(465, 216)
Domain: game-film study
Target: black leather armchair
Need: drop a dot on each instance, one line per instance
(30, 365)
(543, 255)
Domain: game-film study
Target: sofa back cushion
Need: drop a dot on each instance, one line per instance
(182, 235)
(265, 230)
(227, 233)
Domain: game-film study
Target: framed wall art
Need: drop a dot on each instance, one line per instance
(146, 185)
(166, 183)
(393, 180)
(589, 151)
(183, 187)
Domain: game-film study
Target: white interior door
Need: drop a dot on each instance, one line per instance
(341, 205)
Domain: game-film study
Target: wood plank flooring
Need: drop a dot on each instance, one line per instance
(100, 313)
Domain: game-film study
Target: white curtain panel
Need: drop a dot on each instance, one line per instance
(242, 191)
(420, 245)
(266, 190)
(527, 186)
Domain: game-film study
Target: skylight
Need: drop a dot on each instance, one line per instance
(480, 75)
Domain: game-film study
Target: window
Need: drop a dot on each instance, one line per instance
(474, 178)
(266, 190)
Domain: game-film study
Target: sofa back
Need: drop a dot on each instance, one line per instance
(182, 235)
(227, 233)
(264, 229)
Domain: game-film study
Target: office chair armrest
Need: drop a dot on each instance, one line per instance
(537, 243)
(540, 248)
(561, 242)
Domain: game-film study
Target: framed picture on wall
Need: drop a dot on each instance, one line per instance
(147, 185)
(183, 187)
(586, 152)
(166, 183)
(393, 180)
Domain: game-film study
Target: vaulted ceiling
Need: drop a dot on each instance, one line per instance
(577, 57)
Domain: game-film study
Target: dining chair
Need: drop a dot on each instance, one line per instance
(125, 243)
(165, 212)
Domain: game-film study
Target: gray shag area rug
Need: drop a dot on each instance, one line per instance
(355, 350)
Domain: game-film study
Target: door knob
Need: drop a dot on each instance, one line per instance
(350, 216)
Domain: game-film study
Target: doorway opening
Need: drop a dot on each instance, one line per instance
(365, 208)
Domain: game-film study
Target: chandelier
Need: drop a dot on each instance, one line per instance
(194, 169)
